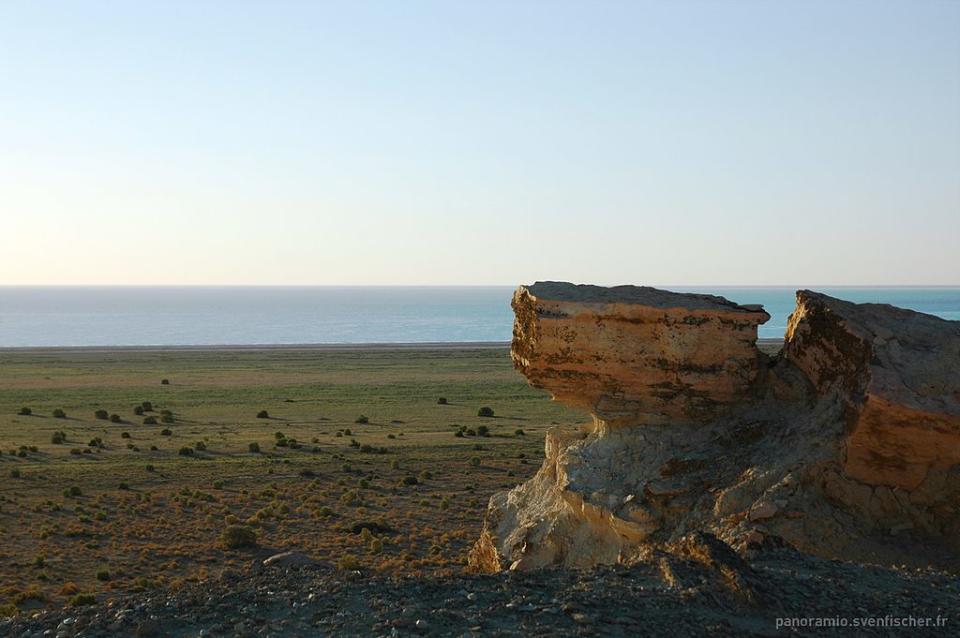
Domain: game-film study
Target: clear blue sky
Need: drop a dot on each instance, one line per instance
(451, 142)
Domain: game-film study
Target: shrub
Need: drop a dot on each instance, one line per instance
(138, 410)
(348, 562)
(166, 432)
(167, 418)
(483, 430)
(200, 446)
(149, 468)
(147, 406)
(475, 461)
(362, 419)
(442, 401)
(124, 435)
(124, 486)
(96, 442)
(14, 473)
(238, 536)
(347, 432)
(520, 432)
(81, 600)
(470, 432)
(366, 449)
(25, 411)
(351, 498)
(58, 438)
(59, 414)
(186, 451)
(115, 418)
(76, 451)
(263, 414)
(326, 511)
(458, 434)
(72, 491)
(102, 415)
(164, 381)
(218, 485)
(425, 475)
(103, 574)
(150, 420)
(485, 412)
(410, 480)
(254, 447)
(376, 546)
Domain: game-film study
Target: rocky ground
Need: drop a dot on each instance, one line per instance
(659, 596)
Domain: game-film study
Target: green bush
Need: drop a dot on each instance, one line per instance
(361, 420)
(15, 473)
(519, 432)
(72, 492)
(58, 438)
(149, 468)
(103, 415)
(59, 414)
(81, 600)
(254, 447)
(166, 432)
(348, 562)
(150, 420)
(485, 412)
(442, 401)
(138, 410)
(124, 435)
(200, 446)
(263, 414)
(474, 461)
(186, 451)
(164, 381)
(410, 480)
(147, 406)
(168, 418)
(238, 536)
(115, 418)
(483, 430)
(25, 411)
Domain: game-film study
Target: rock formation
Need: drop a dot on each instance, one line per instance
(845, 445)
(632, 355)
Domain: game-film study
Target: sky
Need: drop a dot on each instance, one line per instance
(460, 143)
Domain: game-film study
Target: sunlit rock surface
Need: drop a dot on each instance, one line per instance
(846, 445)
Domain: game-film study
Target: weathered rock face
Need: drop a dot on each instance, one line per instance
(898, 373)
(632, 355)
(847, 445)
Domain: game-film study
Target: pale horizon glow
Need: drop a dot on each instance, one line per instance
(443, 143)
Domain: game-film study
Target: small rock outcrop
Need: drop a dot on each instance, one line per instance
(845, 445)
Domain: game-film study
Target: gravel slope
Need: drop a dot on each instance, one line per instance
(305, 601)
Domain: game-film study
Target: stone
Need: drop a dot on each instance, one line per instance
(632, 354)
(848, 436)
(898, 375)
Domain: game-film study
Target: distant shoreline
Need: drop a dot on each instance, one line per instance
(316, 347)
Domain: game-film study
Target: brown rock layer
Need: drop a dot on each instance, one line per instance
(846, 446)
(898, 373)
(633, 354)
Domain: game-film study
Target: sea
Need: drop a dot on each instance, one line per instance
(55, 316)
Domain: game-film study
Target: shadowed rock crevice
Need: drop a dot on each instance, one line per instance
(845, 445)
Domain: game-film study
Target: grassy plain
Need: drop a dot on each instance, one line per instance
(136, 513)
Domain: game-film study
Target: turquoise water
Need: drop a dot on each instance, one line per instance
(117, 316)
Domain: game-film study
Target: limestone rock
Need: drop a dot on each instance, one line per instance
(898, 373)
(634, 354)
(847, 445)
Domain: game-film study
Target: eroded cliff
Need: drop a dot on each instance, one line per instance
(846, 445)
